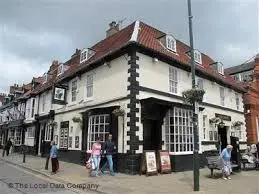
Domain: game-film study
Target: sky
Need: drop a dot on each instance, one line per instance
(34, 33)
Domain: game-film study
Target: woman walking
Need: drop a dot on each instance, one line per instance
(54, 157)
(225, 157)
(96, 154)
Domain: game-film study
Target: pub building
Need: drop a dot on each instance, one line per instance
(133, 90)
(130, 84)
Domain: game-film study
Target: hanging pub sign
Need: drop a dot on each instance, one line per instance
(164, 161)
(148, 163)
(59, 95)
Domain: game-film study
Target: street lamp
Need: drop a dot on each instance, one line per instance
(196, 164)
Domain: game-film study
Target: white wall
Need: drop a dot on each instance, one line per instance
(108, 84)
(156, 76)
(48, 102)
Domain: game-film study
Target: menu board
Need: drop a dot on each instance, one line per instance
(64, 130)
(164, 161)
(148, 163)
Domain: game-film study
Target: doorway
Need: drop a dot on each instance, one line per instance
(222, 131)
(152, 134)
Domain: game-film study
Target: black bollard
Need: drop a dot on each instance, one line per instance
(3, 152)
(47, 163)
(24, 156)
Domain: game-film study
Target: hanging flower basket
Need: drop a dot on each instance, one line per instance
(53, 123)
(237, 123)
(193, 95)
(215, 120)
(118, 112)
(76, 120)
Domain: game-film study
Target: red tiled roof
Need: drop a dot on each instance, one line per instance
(38, 79)
(148, 38)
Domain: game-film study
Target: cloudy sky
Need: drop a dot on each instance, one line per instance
(33, 33)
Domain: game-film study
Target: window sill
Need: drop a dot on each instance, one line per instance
(88, 100)
(72, 104)
(30, 137)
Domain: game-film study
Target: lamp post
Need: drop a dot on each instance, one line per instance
(196, 165)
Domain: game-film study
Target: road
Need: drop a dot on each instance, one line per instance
(16, 181)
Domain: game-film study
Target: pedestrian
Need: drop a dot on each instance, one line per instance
(96, 154)
(53, 156)
(225, 157)
(108, 150)
(8, 146)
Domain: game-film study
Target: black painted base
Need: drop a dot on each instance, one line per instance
(73, 156)
(128, 163)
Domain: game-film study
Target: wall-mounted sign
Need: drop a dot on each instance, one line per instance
(59, 95)
(64, 132)
(223, 117)
(164, 161)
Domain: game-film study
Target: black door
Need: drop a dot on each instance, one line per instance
(223, 137)
(152, 134)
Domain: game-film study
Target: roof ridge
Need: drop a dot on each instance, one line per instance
(134, 35)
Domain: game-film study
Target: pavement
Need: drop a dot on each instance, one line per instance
(176, 183)
(17, 181)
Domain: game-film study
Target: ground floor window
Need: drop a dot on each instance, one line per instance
(179, 130)
(64, 132)
(30, 132)
(18, 135)
(47, 133)
(11, 134)
(213, 132)
(98, 126)
(237, 132)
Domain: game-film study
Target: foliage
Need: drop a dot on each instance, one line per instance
(118, 112)
(193, 95)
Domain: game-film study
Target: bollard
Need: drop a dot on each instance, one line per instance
(24, 156)
(47, 163)
(3, 152)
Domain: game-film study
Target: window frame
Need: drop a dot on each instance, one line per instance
(213, 132)
(92, 123)
(47, 135)
(30, 132)
(173, 79)
(18, 138)
(220, 68)
(180, 142)
(89, 85)
(43, 103)
(60, 69)
(32, 111)
(170, 43)
(74, 89)
(197, 57)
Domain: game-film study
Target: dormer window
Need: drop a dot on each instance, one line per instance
(45, 76)
(197, 57)
(220, 68)
(170, 43)
(86, 54)
(60, 69)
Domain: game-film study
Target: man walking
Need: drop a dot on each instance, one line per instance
(108, 149)
(8, 145)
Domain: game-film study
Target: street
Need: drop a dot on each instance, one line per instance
(16, 181)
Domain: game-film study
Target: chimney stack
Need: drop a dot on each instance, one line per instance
(114, 28)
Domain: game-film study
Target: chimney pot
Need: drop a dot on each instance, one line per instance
(114, 28)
